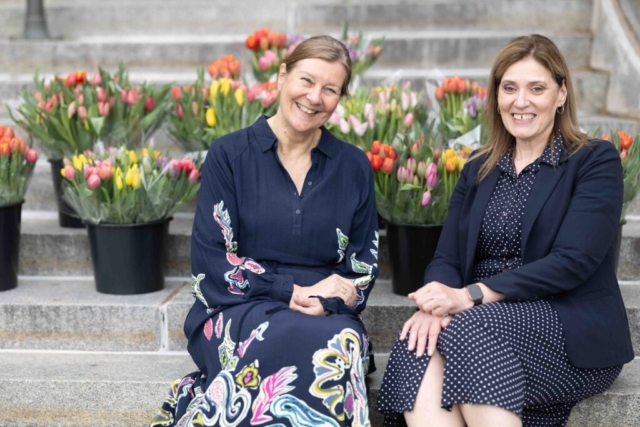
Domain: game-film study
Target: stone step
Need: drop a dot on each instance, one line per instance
(82, 389)
(68, 19)
(407, 49)
(590, 86)
(66, 313)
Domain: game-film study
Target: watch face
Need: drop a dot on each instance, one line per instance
(475, 292)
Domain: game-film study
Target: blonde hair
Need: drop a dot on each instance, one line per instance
(326, 48)
(547, 54)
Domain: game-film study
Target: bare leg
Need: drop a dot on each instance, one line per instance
(426, 410)
(489, 416)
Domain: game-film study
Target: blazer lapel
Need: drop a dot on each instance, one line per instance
(545, 182)
(485, 190)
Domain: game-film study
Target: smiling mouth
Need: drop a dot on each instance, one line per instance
(525, 117)
(306, 110)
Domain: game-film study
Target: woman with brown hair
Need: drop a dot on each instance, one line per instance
(283, 253)
(521, 316)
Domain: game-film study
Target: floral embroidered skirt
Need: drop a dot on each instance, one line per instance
(264, 364)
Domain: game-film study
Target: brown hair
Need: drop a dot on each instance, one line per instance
(545, 52)
(326, 48)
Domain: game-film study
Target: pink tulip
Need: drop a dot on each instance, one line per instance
(103, 109)
(96, 80)
(112, 101)
(432, 180)
(404, 101)
(409, 176)
(132, 97)
(123, 95)
(69, 172)
(411, 164)
(402, 174)
(344, 126)
(93, 182)
(408, 120)
(81, 99)
(432, 168)
(264, 63)
(101, 94)
(193, 176)
(71, 109)
(48, 105)
(31, 155)
(82, 112)
(104, 171)
(361, 129)
(38, 96)
(426, 198)
(414, 99)
(335, 119)
(268, 100)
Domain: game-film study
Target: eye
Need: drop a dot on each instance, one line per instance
(509, 88)
(307, 80)
(331, 90)
(537, 89)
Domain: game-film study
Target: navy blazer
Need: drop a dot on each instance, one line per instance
(568, 233)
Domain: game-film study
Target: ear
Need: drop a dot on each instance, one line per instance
(281, 73)
(562, 94)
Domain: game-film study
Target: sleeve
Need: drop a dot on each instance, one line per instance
(584, 238)
(220, 276)
(445, 266)
(360, 248)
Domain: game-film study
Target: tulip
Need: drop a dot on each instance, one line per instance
(93, 182)
(8, 132)
(82, 112)
(225, 86)
(411, 164)
(460, 164)
(48, 105)
(96, 80)
(605, 137)
(440, 93)
(179, 111)
(68, 172)
(402, 174)
(432, 168)
(361, 129)
(625, 140)
(264, 63)
(149, 104)
(239, 96)
(268, 100)
(432, 180)
(210, 116)
(118, 180)
(105, 170)
(80, 99)
(451, 165)
(344, 126)
(376, 162)
(176, 91)
(38, 96)
(193, 176)
(422, 167)
(408, 120)
(213, 90)
(623, 154)
(335, 119)
(146, 165)
(132, 97)
(426, 199)
(404, 101)
(375, 147)
(31, 156)
(123, 95)
(112, 101)
(55, 99)
(414, 99)
(128, 179)
(71, 109)
(410, 175)
(133, 159)
(389, 151)
(416, 181)
(103, 109)
(393, 105)
(137, 180)
(5, 150)
(387, 165)
(79, 161)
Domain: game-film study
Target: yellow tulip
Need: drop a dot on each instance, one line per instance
(145, 152)
(461, 163)
(225, 86)
(79, 161)
(210, 115)
(136, 177)
(239, 95)
(156, 153)
(451, 165)
(449, 153)
(118, 179)
(133, 159)
(213, 90)
(128, 179)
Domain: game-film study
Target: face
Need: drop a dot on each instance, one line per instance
(309, 93)
(528, 97)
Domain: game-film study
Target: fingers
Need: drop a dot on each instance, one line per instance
(434, 331)
(405, 329)
(445, 321)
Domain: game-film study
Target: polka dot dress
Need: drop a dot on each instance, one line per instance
(507, 354)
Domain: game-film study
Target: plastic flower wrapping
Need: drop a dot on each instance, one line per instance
(71, 114)
(363, 51)
(629, 151)
(203, 112)
(17, 160)
(414, 179)
(120, 186)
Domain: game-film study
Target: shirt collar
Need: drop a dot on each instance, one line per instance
(328, 144)
(549, 156)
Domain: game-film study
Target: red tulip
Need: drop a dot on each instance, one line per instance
(376, 162)
(375, 147)
(31, 156)
(179, 111)
(148, 106)
(193, 176)
(387, 165)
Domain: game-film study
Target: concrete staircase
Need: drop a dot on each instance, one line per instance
(72, 357)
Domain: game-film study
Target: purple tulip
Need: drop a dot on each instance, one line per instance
(432, 180)
(432, 168)
(426, 198)
(473, 112)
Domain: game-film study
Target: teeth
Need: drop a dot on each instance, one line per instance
(306, 110)
(523, 116)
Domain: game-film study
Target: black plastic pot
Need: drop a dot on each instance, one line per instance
(67, 217)
(411, 248)
(128, 259)
(10, 217)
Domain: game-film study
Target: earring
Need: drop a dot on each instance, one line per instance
(560, 109)
(498, 108)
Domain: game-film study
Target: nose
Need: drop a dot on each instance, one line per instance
(522, 99)
(314, 95)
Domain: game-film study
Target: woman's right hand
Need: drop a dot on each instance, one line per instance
(423, 330)
(332, 286)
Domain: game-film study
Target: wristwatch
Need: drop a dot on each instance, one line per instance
(475, 294)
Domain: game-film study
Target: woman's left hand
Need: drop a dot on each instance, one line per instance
(440, 300)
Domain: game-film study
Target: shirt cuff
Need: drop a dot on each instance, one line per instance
(282, 289)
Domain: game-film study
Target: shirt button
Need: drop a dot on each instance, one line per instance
(297, 211)
(505, 214)
(310, 183)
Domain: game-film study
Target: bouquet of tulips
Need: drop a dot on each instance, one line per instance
(629, 151)
(363, 51)
(17, 160)
(461, 106)
(381, 113)
(121, 186)
(225, 67)
(414, 182)
(268, 49)
(204, 113)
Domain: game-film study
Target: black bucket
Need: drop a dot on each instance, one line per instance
(128, 258)
(67, 217)
(411, 248)
(10, 217)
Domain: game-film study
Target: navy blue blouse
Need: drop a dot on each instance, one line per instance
(500, 242)
(254, 236)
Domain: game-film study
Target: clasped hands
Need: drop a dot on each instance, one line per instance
(436, 302)
(333, 286)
